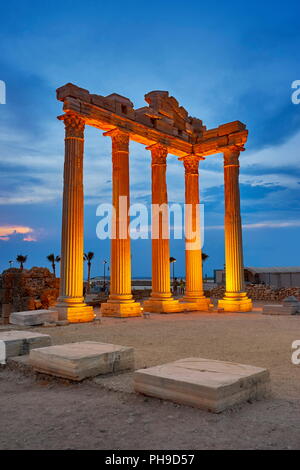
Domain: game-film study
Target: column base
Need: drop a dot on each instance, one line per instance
(121, 309)
(236, 302)
(162, 305)
(197, 303)
(81, 313)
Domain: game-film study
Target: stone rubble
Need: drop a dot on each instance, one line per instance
(259, 292)
(27, 289)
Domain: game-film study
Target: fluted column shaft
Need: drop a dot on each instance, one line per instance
(160, 224)
(71, 276)
(233, 225)
(235, 298)
(193, 251)
(120, 264)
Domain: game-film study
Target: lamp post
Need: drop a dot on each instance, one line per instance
(173, 261)
(11, 263)
(104, 272)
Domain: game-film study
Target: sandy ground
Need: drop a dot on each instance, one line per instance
(36, 413)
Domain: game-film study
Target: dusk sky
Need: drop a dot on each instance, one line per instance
(223, 61)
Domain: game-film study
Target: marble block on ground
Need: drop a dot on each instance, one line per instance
(78, 361)
(291, 301)
(203, 383)
(19, 343)
(33, 317)
(280, 309)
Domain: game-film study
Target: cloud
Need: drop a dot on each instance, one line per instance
(11, 229)
(259, 225)
(29, 238)
(282, 156)
(8, 232)
(271, 224)
(33, 161)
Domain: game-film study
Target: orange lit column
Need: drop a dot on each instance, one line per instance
(235, 298)
(193, 252)
(120, 302)
(70, 304)
(161, 299)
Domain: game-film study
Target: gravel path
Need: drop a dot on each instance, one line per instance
(49, 414)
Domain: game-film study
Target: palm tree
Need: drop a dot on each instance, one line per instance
(53, 259)
(21, 260)
(204, 258)
(88, 257)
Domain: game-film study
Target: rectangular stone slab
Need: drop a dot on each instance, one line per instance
(19, 343)
(203, 383)
(33, 317)
(77, 361)
(279, 310)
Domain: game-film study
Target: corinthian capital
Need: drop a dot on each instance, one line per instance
(120, 139)
(159, 154)
(74, 126)
(231, 155)
(191, 163)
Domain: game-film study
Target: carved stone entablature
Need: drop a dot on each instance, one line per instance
(120, 105)
(114, 102)
(163, 120)
(216, 140)
(173, 115)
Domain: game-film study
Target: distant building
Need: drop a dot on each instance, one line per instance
(275, 277)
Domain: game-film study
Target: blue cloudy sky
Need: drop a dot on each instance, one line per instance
(223, 61)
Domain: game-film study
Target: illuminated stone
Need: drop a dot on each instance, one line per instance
(120, 302)
(235, 298)
(193, 253)
(121, 309)
(165, 127)
(78, 361)
(203, 383)
(161, 299)
(70, 303)
(168, 305)
(235, 303)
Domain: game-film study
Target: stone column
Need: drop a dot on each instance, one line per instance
(235, 298)
(120, 302)
(193, 252)
(71, 304)
(161, 299)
